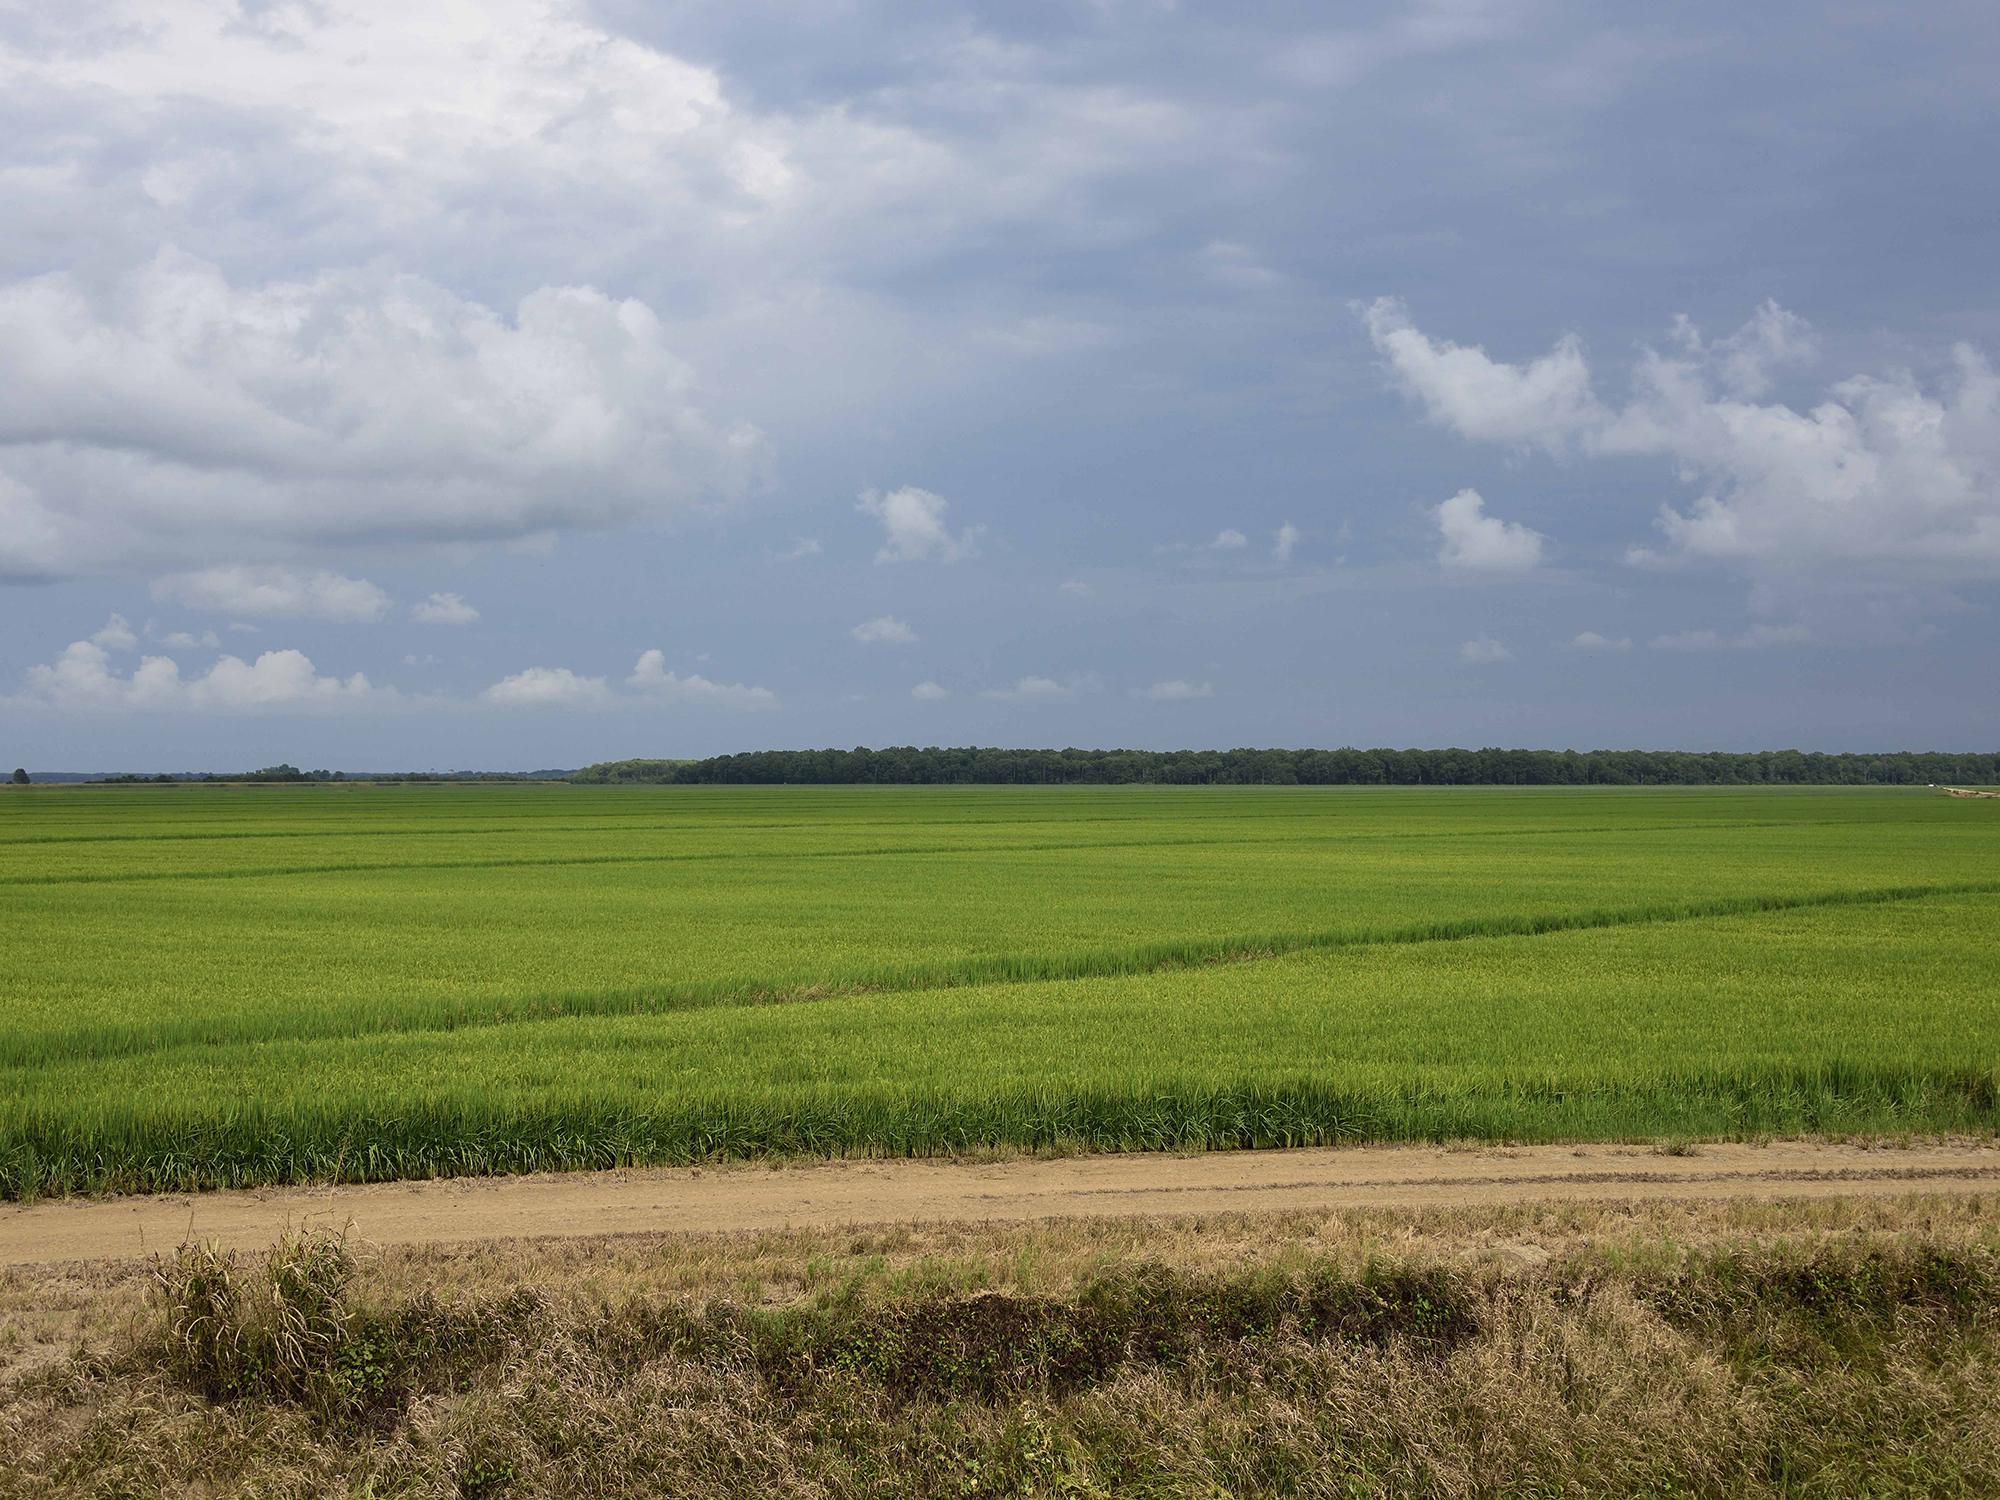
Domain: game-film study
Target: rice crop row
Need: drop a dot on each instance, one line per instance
(495, 978)
(160, 1035)
(1856, 1018)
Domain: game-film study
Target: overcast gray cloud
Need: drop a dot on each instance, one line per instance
(172, 415)
(1322, 355)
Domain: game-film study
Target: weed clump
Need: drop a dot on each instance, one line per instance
(280, 1332)
(286, 1330)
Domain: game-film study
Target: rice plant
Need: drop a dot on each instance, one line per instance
(206, 986)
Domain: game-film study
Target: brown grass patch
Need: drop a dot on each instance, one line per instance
(1826, 1347)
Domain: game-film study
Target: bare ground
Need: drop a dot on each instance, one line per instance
(825, 1195)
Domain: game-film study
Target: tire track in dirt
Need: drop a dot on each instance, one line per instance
(750, 1197)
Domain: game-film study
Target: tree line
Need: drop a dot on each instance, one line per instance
(906, 765)
(288, 774)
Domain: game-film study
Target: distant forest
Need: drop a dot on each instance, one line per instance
(287, 774)
(909, 766)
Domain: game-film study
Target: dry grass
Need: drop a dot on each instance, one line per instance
(1808, 1348)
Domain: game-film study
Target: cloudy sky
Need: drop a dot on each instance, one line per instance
(517, 383)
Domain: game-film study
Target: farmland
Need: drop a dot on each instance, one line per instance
(223, 985)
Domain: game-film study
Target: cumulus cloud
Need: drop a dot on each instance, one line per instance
(1484, 651)
(884, 630)
(115, 635)
(1041, 690)
(1590, 640)
(913, 526)
(651, 678)
(1546, 403)
(1177, 691)
(1883, 476)
(929, 692)
(1283, 541)
(1474, 542)
(276, 592)
(171, 411)
(1755, 638)
(1746, 361)
(443, 609)
(548, 687)
(803, 546)
(83, 679)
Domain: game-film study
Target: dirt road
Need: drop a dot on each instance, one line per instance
(741, 1197)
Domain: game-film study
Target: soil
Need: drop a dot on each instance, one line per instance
(840, 1193)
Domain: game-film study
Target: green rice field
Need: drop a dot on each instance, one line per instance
(222, 985)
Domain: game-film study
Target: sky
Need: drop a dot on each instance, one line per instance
(524, 383)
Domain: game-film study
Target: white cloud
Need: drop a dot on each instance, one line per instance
(116, 635)
(1076, 588)
(276, 592)
(171, 413)
(1544, 403)
(651, 678)
(1042, 690)
(1590, 640)
(913, 526)
(1177, 691)
(548, 687)
(1472, 541)
(1283, 541)
(443, 609)
(83, 679)
(1484, 651)
(885, 630)
(187, 640)
(929, 692)
(1755, 638)
(277, 679)
(1881, 478)
(1746, 360)
(804, 546)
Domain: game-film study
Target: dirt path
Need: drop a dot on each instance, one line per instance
(743, 1197)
